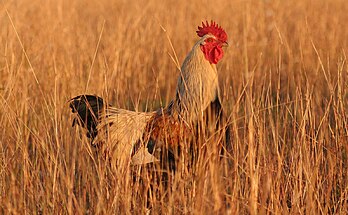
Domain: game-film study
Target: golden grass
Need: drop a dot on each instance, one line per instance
(284, 81)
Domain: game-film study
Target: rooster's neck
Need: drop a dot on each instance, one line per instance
(197, 85)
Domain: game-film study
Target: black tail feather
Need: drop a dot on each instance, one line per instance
(88, 109)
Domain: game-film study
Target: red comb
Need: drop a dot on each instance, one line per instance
(213, 29)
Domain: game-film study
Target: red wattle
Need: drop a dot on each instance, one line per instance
(212, 52)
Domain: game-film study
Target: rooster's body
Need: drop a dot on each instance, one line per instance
(133, 136)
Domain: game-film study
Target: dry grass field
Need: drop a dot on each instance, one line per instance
(284, 80)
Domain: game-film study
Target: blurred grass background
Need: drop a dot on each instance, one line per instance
(284, 81)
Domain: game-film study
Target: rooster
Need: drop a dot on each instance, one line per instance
(132, 137)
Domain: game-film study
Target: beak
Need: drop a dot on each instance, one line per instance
(225, 44)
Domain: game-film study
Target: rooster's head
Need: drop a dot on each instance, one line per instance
(214, 38)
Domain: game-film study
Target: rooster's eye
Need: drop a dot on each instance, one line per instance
(209, 40)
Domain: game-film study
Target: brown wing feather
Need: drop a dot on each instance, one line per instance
(164, 133)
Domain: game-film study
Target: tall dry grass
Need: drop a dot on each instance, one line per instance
(284, 81)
